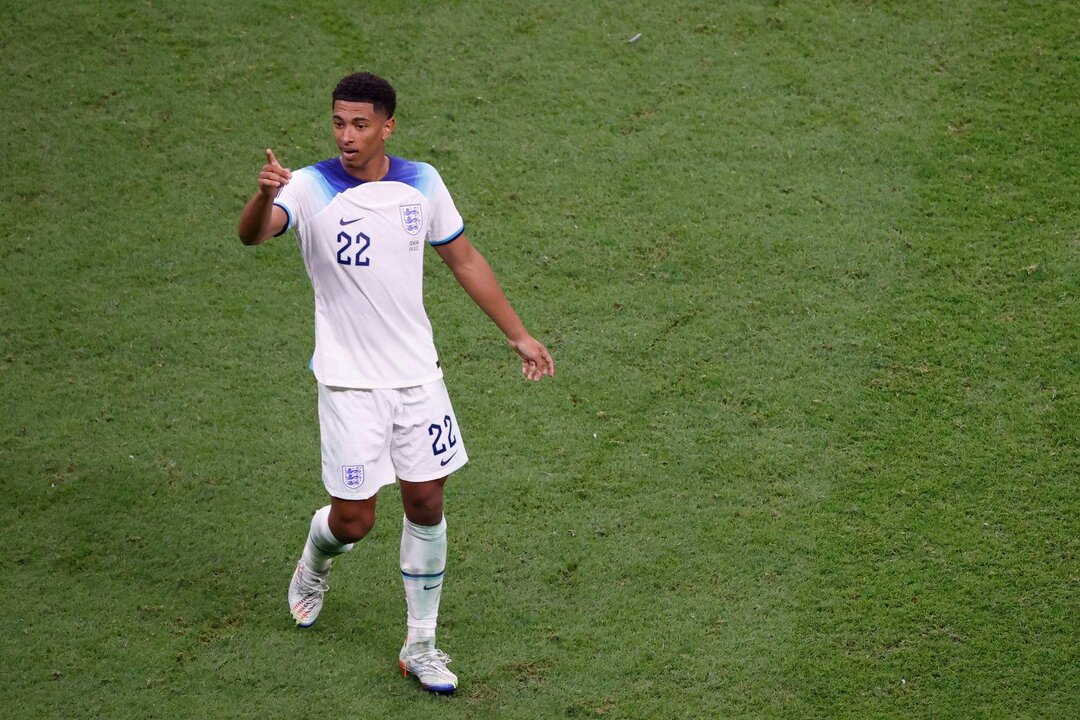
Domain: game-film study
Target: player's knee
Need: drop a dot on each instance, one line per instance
(424, 505)
(428, 515)
(348, 527)
(352, 530)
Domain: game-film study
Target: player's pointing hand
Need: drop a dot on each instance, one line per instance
(273, 176)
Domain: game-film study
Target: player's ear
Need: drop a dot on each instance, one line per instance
(388, 127)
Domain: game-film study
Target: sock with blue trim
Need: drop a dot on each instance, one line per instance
(423, 564)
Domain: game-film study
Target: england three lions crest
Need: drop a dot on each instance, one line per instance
(411, 219)
(352, 476)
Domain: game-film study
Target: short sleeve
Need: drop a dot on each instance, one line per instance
(287, 201)
(446, 223)
(305, 195)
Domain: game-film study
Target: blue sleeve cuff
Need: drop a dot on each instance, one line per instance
(288, 219)
(450, 238)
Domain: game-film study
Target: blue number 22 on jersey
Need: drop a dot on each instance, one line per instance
(359, 244)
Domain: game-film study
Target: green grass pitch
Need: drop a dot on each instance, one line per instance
(809, 271)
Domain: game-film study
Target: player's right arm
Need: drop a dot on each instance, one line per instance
(261, 218)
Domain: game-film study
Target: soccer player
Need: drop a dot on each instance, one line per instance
(362, 219)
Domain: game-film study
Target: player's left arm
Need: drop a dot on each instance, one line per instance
(476, 277)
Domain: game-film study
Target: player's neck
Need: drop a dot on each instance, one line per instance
(372, 170)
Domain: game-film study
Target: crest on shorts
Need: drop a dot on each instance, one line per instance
(411, 219)
(352, 476)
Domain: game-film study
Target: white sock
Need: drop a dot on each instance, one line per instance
(423, 564)
(321, 546)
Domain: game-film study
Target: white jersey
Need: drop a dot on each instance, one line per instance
(363, 247)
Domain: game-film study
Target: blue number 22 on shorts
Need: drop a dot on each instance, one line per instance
(438, 447)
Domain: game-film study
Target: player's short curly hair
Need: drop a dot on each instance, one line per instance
(367, 87)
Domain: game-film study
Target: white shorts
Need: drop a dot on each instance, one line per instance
(371, 437)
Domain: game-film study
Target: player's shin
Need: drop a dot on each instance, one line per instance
(423, 564)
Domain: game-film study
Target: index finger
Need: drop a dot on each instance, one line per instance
(270, 157)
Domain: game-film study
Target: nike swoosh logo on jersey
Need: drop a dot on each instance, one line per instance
(431, 587)
(343, 221)
(447, 460)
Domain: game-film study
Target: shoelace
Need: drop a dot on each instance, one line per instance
(310, 583)
(430, 658)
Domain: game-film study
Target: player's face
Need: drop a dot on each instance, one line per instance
(360, 132)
